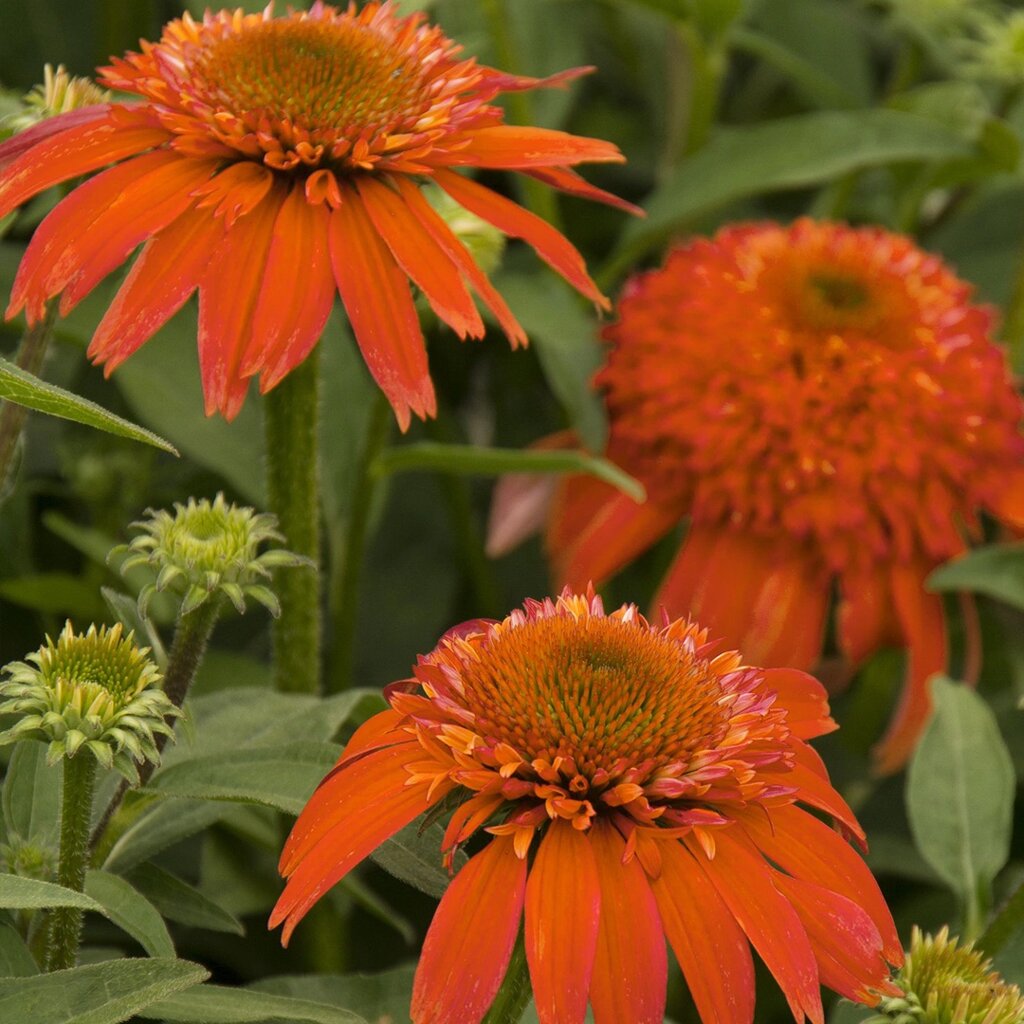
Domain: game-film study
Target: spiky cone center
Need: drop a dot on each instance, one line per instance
(94, 690)
(205, 546)
(561, 712)
(832, 383)
(945, 983)
(315, 93)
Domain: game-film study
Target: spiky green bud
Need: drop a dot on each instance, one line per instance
(92, 692)
(204, 548)
(944, 983)
(59, 93)
(485, 242)
(996, 52)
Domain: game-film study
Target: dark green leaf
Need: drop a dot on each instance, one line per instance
(216, 1004)
(18, 893)
(31, 795)
(178, 901)
(16, 960)
(130, 911)
(996, 571)
(54, 592)
(164, 824)
(378, 997)
(414, 856)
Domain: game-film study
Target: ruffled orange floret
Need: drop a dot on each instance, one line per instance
(617, 783)
(271, 163)
(825, 404)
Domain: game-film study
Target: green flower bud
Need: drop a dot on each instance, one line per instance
(996, 53)
(59, 93)
(486, 244)
(94, 693)
(205, 548)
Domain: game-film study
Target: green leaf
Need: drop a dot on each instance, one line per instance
(565, 338)
(476, 460)
(162, 825)
(960, 789)
(414, 856)
(130, 911)
(17, 893)
(105, 993)
(216, 1004)
(31, 795)
(22, 388)
(378, 997)
(54, 592)
(282, 777)
(996, 571)
(178, 901)
(791, 152)
(16, 960)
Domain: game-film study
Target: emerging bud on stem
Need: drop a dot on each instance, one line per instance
(59, 93)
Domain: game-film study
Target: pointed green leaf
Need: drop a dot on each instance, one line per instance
(16, 960)
(18, 893)
(130, 911)
(414, 856)
(31, 795)
(21, 388)
(996, 571)
(160, 826)
(217, 1004)
(178, 901)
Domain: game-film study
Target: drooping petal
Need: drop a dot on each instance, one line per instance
(380, 308)
(631, 966)
(21, 142)
(744, 882)
(511, 219)
(470, 940)
(227, 297)
(297, 294)
(709, 944)
(507, 147)
(463, 259)
(865, 618)
(923, 623)
(563, 902)
(78, 150)
(845, 941)
(378, 731)
(419, 255)
(165, 274)
(569, 181)
(807, 848)
(805, 700)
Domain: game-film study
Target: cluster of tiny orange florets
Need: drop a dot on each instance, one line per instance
(320, 93)
(829, 382)
(537, 718)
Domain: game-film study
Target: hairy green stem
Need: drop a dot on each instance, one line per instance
(348, 568)
(292, 417)
(31, 353)
(76, 811)
(514, 995)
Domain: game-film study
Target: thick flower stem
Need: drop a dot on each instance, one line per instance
(348, 566)
(30, 356)
(76, 810)
(292, 422)
(514, 995)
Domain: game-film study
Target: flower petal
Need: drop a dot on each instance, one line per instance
(631, 966)
(865, 619)
(21, 142)
(509, 147)
(805, 701)
(744, 882)
(470, 940)
(297, 294)
(511, 219)
(419, 255)
(163, 276)
(569, 181)
(563, 902)
(709, 944)
(381, 311)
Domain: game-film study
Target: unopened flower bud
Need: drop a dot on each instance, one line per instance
(59, 93)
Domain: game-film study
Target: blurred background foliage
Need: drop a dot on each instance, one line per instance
(905, 113)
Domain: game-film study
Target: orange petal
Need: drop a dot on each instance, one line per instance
(846, 943)
(159, 197)
(381, 311)
(1008, 508)
(470, 940)
(744, 882)
(78, 150)
(865, 618)
(923, 623)
(807, 848)
(709, 944)
(21, 142)
(510, 147)
(298, 291)
(569, 181)
(462, 258)
(563, 902)
(419, 255)
(805, 701)
(165, 274)
(511, 219)
(227, 298)
(631, 966)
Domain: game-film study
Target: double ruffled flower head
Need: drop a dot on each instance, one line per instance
(825, 405)
(617, 783)
(273, 162)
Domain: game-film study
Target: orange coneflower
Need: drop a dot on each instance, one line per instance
(617, 783)
(824, 404)
(272, 162)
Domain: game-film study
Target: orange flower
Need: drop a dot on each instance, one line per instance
(273, 161)
(825, 404)
(632, 783)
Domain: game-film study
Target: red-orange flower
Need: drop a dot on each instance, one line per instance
(272, 162)
(632, 783)
(824, 404)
